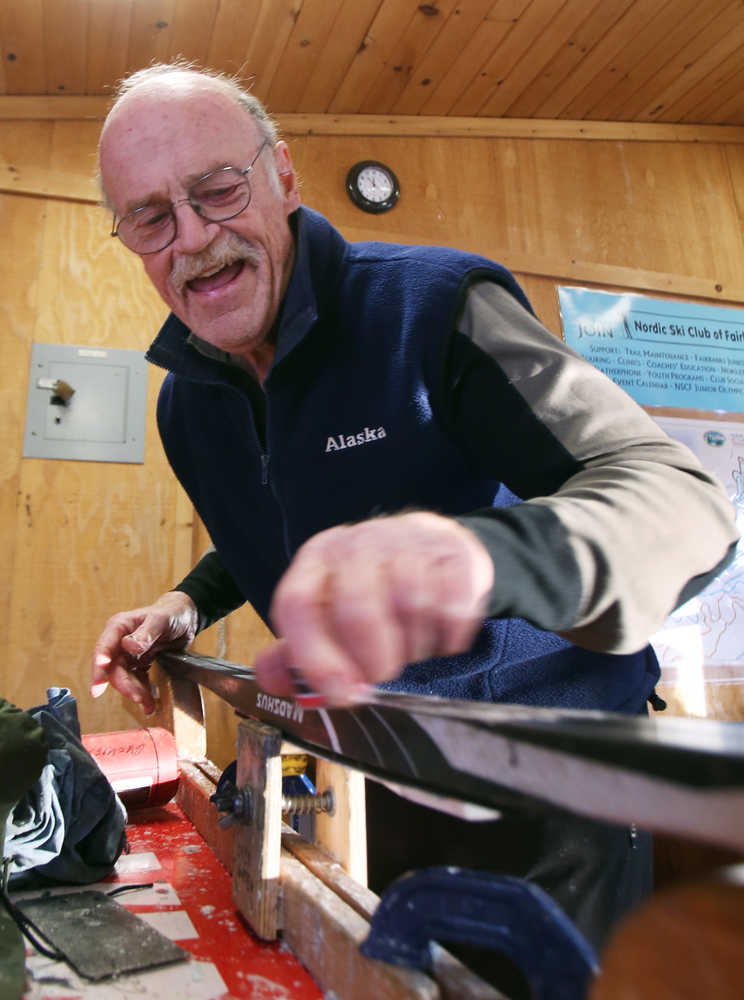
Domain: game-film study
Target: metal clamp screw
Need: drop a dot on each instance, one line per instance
(237, 805)
(303, 804)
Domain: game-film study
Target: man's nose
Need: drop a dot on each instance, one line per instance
(193, 231)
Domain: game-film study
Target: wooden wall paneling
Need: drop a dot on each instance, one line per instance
(523, 66)
(651, 206)
(219, 719)
(628, 19)
(109, 23)
(700, 104)
(243, 635)
(74, 160)
(438, 127)
(65, 20)
(434, 177)
(237, 638)
(192, 28)
(22, 221)
(682, 92)
(455, 77)
(346, 37)
(461, 26)
(725, 21)
(527, 22)
(235, 23)
(21, 29)
(303, 51)
(731, 109)
(3, 77)
(729, 100)
(150, 32)
(638, 29)
(537, 58)
(426, 25)
(655, 33)
(22, 177)
(735, 165)
(94, 108)
(371, 57)
(532, 101)
(186, 539)
(537, 206)
(271, 26)
(91, 537)
(543, 295)
(637, 72)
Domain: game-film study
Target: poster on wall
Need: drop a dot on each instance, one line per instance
(661, 351)
(703, 640)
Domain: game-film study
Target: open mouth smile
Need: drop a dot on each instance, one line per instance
(218, 278)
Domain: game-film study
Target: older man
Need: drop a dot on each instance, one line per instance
(411, 479)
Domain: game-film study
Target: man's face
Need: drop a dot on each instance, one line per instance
(225, 280)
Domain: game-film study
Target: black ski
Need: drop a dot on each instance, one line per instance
(679, 775)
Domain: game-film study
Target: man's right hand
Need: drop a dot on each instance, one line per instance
(131, 640)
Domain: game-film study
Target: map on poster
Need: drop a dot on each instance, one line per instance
(705, 636)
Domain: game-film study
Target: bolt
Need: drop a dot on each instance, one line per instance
(303, 804)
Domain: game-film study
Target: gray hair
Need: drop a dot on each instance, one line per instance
(188, 70)
(183, 68)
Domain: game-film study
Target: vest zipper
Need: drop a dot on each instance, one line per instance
(264, 469)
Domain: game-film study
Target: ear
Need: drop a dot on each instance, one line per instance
(287, 176)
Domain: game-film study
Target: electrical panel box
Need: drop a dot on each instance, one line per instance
(86, 403)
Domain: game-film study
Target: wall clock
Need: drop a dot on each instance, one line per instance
(372, 186)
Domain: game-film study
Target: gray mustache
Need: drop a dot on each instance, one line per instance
(225, 250)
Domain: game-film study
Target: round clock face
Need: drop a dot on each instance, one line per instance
(372, 186)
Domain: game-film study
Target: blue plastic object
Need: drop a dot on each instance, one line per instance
(497, 912)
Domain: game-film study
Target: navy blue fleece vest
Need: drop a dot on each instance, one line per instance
(347, 428)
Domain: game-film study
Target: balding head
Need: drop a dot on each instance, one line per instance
(178, 81)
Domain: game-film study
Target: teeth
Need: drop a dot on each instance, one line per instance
(215, 270)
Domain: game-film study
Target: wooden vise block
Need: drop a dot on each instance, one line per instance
(315, 895)
(257, 840)
(283, 883)
(341, 832)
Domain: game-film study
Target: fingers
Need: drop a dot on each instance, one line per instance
(131, 639)
(360, 602)
(135, 685)
(126, 676)
(274, 670)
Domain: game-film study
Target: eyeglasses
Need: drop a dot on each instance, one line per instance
(216, 197)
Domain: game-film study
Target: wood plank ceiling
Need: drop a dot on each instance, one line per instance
(674, 61)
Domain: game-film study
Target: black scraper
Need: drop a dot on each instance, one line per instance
(98, 937)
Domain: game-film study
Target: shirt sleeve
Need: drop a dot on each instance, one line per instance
(212, 589)
(620, 523)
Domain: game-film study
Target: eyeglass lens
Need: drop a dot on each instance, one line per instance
(217, 197)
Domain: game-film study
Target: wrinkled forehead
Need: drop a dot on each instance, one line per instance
(159, 136)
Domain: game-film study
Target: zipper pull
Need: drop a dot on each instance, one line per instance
(264, 470)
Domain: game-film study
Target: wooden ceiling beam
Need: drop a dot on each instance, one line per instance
(410, 126)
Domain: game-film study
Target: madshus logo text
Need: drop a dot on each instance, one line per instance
(341, 441)
(283, 707)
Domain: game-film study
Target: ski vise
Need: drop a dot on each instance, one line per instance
(312, 894)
